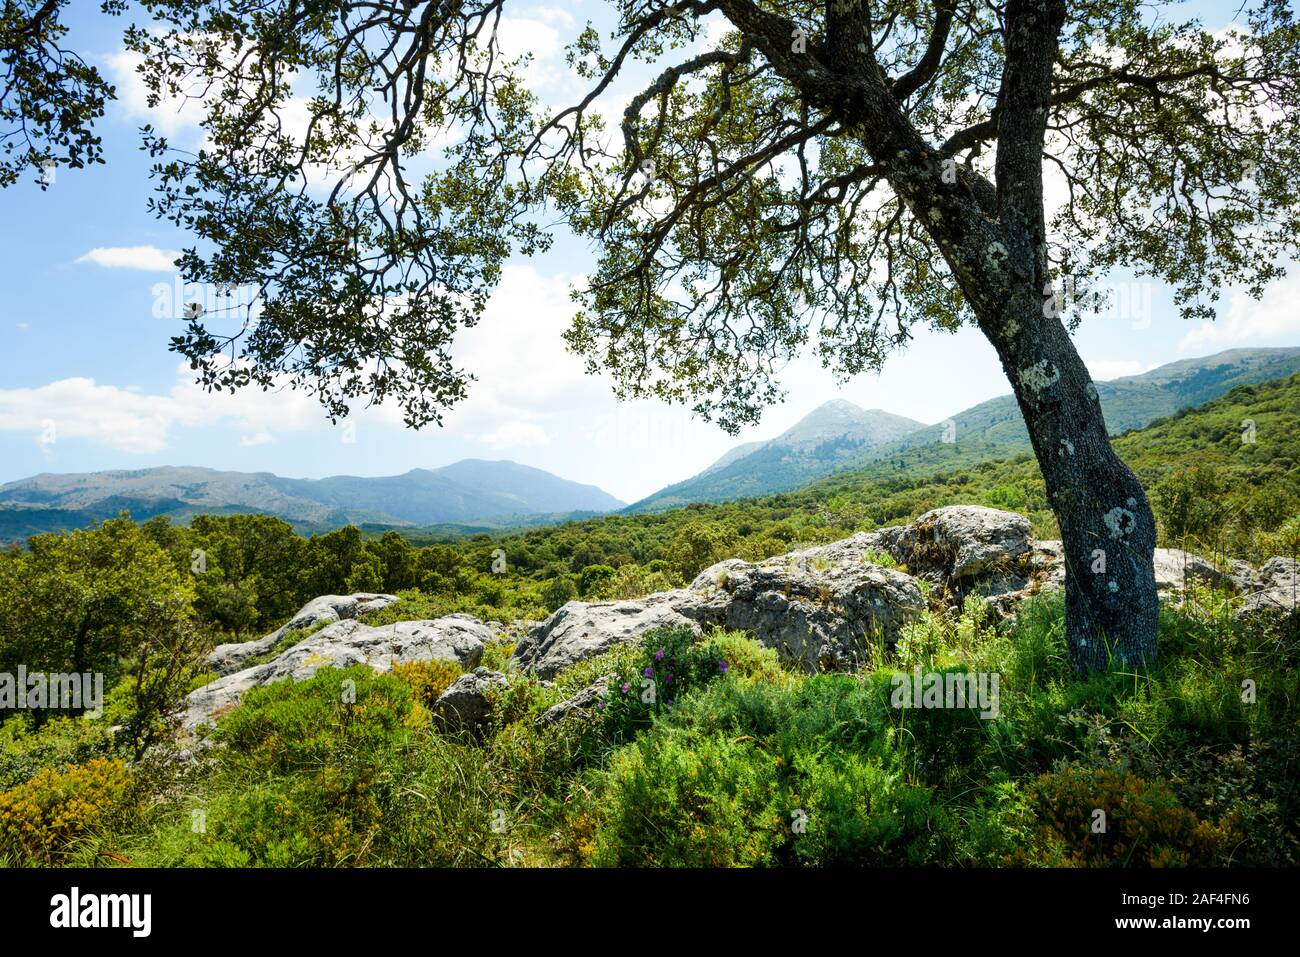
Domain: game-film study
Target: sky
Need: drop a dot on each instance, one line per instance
(87, 381)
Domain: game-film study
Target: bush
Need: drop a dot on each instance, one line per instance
(680, 800)
(1145, 825)
(42, 817)
(427, 679)
(671, 663)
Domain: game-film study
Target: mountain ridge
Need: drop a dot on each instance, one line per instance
(990, 429)
(827, 438)
(466, 491)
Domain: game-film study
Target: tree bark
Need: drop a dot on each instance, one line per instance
(1107, 528)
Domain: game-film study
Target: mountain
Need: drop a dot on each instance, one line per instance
(996, 429)
(465, 491)
(829, 438)
(990, 430)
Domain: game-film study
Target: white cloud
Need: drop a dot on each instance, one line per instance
(516, 435)
(516, 351)
(1273, 316)
(525, 380)
(79, 408)
(1106, 369)
(130, 420)
(170, 117)
(146, 258)
(519, 36)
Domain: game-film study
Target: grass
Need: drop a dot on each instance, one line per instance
(750, 764)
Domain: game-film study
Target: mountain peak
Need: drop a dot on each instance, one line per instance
(840, 418)
(836, 405)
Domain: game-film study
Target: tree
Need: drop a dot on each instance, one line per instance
(557, 591)
(105, 600)
(842, 171)
(49, 96)
(594, 581)
(697, 545)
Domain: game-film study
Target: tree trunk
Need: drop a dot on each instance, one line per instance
(1001, 263)
(1107, 528)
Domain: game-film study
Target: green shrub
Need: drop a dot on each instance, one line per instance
(1144, 824)
(681, 800)
(42, 817)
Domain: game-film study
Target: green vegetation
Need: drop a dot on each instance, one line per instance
(704, 751)
(740, 763)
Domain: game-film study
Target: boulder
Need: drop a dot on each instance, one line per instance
(955, 545)
(581, 630)
(467, 702)
(582, 703)
(819, 607)
(226, 659)
(1245, 579)
(458, 638)
(1041, 569)
(1044, 570)
(1278, 595)
(1176, 569)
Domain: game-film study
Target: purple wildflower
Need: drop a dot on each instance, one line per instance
(659, 655)
(625, 687)
(649, 672)
(723, 667)
(669, 679)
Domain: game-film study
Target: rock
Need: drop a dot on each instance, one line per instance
(229, 658)
(458, 638)
(467, 703)
(1041, 570)
(581, 630)
(1278, 594)
(1044, 570)
(584, 702)
(955, 544)
(819, 607)
(1244, 577)
(1175, 569)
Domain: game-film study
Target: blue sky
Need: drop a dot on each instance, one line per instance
(87, 381)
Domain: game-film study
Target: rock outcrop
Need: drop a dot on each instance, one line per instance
(584, 702)
(458, 638)
(959, 544)
(581, 630)
(962, 550)
(1177, 569)
(1278, 593)
(467, 702)
(226, 659)
(819, 607)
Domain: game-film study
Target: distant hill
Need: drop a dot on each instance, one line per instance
(826, 440)
(467, 492)
(990, 430)
(996, 428)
